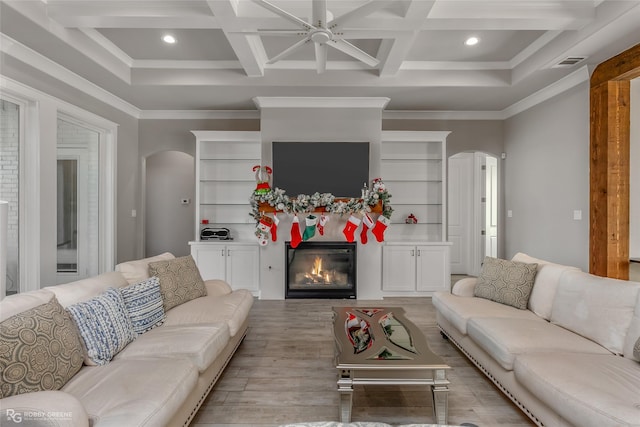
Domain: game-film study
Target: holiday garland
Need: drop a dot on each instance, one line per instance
(303, 203)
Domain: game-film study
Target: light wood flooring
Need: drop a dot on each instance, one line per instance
(283, 372)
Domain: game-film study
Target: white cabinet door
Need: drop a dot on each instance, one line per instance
(210, 260)
(432, 268)
(399, 268)
(243, 267)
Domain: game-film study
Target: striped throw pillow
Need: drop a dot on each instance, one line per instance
(104, 326)
(144, 304)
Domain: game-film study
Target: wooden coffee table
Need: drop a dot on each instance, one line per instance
(379, 346)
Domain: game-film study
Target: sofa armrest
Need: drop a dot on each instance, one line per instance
(44, 408)
(217, 287)
(465, 287)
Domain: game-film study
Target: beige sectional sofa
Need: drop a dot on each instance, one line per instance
(566, 360)
(159, 379)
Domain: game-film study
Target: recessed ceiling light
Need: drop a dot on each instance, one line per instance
(168, 38)
(472, 41)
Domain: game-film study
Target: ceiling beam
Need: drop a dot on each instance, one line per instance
(247, 47)
(394, 51)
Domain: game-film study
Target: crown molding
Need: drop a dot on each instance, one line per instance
(441, 115)
(34, 59)
(580, 75)
(263, 102)
(199, 114)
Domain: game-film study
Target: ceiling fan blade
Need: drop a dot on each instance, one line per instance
(319, 13)
(359, 12)
(283, 13)
(288, 51)
(366, 33)
(321, 57)
(351, 50)
(287, 33)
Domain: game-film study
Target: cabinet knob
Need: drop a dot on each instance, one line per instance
(418, 252)
(412, 252)
(222, 252)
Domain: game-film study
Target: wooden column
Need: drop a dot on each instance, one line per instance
(609, 176)
(609, 164)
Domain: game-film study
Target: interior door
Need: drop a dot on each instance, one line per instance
(491, 207)
(460, 193)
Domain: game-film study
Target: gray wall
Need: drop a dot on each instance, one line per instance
(546, 178)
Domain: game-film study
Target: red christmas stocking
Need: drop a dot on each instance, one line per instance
(296, 237)
(351, 227)
(378, 230)
(274, 228)
(323, 220)
(367, 223)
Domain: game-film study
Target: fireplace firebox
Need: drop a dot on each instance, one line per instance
(321, 270)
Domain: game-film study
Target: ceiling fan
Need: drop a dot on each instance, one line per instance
(323, 34)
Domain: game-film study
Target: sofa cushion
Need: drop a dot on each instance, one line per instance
(16, 304)
(590, 390)
(180, 280)
(134, 392)
(104, 326)
(51, 409)
(144, 304)
(232, 309)
(85, 289)
(201, 344)
(505, 339)
(506, 282)
(544, 285)
(632, 340)
(595, 307)
(458, 310)
(138, 270)
(39, 350)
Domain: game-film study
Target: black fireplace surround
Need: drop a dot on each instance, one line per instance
(320, 270)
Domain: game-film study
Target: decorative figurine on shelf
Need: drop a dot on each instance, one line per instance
(263, 179)
(411, 219)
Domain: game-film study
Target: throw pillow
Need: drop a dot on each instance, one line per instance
(39, 350)
(506, 282)
(104, 326)
(180, 280)
(144, 305)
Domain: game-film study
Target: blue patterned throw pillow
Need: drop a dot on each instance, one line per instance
(144, 304)
(104, 326)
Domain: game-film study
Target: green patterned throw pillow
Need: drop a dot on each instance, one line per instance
(39, 350)
(180, 280)
(506, 282)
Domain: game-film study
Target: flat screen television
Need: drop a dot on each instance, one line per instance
(339, 168)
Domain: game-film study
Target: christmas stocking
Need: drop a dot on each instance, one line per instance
(274, 228)
(323, 220)
(381, 224)
(310, 229)
(296, 238)
(262, 230)
(351, 227)
(367, 223)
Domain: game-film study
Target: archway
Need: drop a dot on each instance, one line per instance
(609, 166)
(472, 210)
(169, 213)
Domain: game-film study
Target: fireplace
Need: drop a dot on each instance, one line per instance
(321, 270)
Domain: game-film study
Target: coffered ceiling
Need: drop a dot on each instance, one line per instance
(225, 49)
